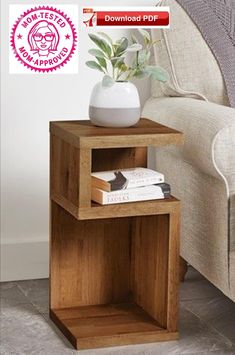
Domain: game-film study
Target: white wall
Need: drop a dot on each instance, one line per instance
(29, 102)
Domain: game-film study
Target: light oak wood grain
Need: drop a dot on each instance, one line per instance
(149, 265)
(64, 170)
(72, 164)
(89, 260)
(114, 270)
(84, 170)
(71, 169)
(111, 261)
(118, 158)
(173, 271)
(82, 134)
(109, 325)
(141, 208)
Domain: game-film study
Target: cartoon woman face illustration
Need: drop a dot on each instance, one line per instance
(43, 38)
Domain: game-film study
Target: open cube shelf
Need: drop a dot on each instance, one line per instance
(78, 148)
(122, 265)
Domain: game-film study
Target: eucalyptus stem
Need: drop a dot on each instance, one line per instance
(119, 73)
(137, 59)
(129, 75)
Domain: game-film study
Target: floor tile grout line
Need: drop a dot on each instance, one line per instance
(30, 301)
(210, 326)
(197, 299)
(23, 294)
(215, 298)
(205, 298)
(42, 314)
(21, 290)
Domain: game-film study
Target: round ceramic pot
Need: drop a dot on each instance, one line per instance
(115, 106)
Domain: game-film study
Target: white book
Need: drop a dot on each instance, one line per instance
(144, 193)
(125, 179)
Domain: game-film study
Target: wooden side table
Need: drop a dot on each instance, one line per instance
(113, 269)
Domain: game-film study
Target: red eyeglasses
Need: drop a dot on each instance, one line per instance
(48, 37)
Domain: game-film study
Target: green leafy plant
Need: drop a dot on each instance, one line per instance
(110, 58)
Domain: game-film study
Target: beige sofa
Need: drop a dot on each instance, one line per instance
(202, 173)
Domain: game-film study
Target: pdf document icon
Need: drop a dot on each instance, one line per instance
(89, 17)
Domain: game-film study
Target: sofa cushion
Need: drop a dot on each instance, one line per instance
(182, 51)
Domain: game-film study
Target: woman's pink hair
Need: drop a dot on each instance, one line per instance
(34, 30)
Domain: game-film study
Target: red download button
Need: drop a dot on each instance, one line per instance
(132, 18)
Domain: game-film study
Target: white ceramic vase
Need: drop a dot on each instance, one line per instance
(115, 106)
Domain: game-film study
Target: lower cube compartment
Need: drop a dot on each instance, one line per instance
(110, 282)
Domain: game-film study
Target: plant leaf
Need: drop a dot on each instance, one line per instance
(157, 73)
(122, 46)
(116, 60)
(145, 34)
(102, 44)
(93, 65)
(122, 67)
(102, 62)
(107, 81)
(96, 53)
(144, 57)
(109, 39)
(134, 39)
(140, 74)
(136, 47)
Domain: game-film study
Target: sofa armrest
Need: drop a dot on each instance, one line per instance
(209, 133)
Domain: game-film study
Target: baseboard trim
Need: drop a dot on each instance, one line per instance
(24, 260)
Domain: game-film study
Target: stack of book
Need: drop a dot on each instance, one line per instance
(128, 185)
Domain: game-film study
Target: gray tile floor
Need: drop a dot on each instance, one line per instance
(207, 323)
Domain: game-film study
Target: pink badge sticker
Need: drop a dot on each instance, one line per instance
(43, 39)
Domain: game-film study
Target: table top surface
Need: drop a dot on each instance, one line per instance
(84, 134)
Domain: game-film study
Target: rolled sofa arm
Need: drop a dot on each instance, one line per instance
(209, 133)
